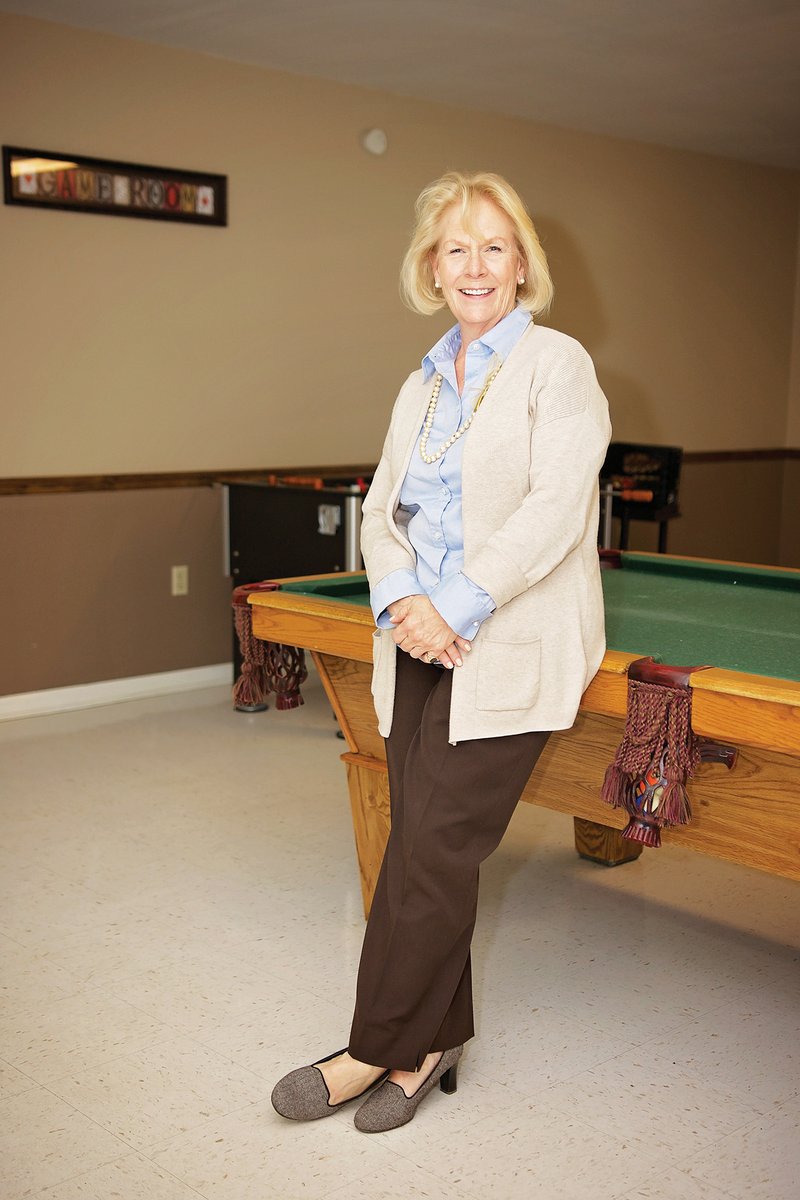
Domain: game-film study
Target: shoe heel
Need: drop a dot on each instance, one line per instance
(449, 1081)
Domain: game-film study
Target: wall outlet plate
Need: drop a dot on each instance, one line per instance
(180, 581)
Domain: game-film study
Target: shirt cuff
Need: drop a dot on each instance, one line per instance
(462, 604)
(393, 586)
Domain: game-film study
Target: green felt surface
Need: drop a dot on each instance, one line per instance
(350, 591)
(742, 618)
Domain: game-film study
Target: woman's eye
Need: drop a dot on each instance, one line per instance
(499, 249)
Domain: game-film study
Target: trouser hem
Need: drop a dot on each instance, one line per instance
(389, 1054)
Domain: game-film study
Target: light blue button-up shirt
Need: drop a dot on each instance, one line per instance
(431, 492)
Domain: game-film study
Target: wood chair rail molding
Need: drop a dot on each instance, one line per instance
(43, 485)
(46, 485)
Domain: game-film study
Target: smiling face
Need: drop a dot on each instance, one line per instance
(479, 268)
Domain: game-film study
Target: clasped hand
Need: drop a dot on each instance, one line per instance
(420, 631)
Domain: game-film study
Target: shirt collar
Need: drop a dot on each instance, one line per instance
(499, 340)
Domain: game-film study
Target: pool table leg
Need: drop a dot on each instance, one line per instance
(368, 785)
(602, 844)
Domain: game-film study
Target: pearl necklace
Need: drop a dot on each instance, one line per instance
(462, 429)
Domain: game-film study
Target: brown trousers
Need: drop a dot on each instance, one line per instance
(450, 807)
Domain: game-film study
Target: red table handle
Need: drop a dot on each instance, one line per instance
(647, 670)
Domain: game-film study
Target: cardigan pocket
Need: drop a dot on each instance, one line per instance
(508, 675)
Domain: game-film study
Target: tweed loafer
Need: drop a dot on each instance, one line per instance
(303, 1095)
(389, 1107)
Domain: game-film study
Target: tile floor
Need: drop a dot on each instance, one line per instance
(180, 923)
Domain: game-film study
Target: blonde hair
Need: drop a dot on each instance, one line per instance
(416, 275)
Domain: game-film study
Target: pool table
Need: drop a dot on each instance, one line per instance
(742, 620)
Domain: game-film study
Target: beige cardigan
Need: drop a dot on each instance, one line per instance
(530, 516)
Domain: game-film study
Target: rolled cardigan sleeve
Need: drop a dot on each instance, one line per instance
(569, 438)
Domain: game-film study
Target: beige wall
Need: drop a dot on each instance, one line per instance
(790, 515)
(793, 405)
(729, 510)
(142, 346)
(91, 586)
(790, 518)
(134, 346)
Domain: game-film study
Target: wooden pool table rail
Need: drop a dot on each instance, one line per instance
(750, 710)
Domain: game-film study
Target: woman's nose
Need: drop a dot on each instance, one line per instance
(475, 264)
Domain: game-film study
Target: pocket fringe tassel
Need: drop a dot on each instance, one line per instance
(656, 756)
(266, 666)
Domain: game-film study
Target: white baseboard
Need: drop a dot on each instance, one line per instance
(112, 691)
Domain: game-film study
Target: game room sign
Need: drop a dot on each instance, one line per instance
(67, 181)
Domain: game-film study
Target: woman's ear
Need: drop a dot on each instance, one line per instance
(433, 259)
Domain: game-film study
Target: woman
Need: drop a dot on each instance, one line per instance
(480, 541)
